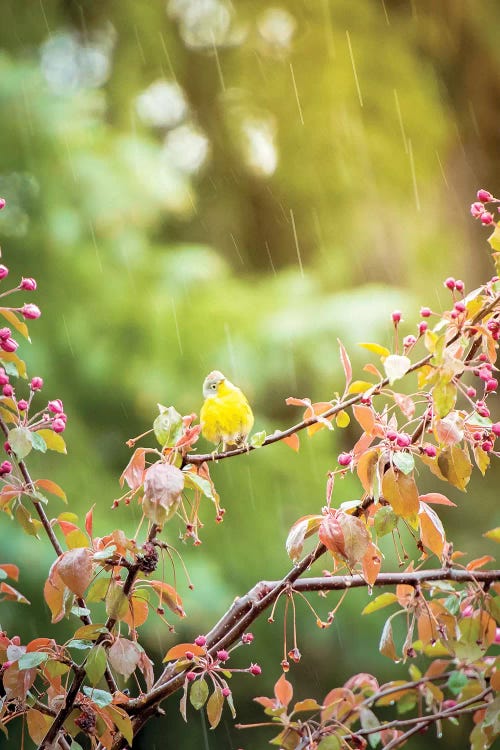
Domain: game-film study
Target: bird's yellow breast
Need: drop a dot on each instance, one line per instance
(226, 417)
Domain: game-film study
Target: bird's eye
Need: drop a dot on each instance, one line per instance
(213, 386)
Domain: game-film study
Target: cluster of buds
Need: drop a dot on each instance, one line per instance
(478, 209)
(215, 666)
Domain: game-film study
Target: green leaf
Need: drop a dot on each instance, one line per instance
(95, 666)
(32, 659)
(30, 525)
(381, 601)
(456, 682)
(404, 461)
(79, 644)
(330, 743)
(100, 697)
(53, 440)
(455, 466)
(38, 442)
(369, 721)
(197, 483)
(19, 439)
(168, 426)
(385, 520)
(258, 438)
(198, 694)
(444, 396)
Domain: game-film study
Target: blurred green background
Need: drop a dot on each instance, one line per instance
(200, 184)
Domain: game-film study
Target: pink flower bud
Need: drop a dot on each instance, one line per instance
(497, 635)
(36, 383)
(191, 676)
(430, 450)
(449, 703)
(4, 271)
(8, 345)
(5, 333)
(477, 436)
(22, 405)
(409, 341)
(2, 203)
(450, 283)
(391, 434)
(344, 459)
(425, 312)
(4, 378)
(366, 400)
(459, 285)
(492, 384)
(5, 468)
(248, 637)
(396, 316)
(226, 692)
(56, 406)
(6, 447)
(403, 440)
(255, 669)
(422, 327)
(58, 425)
(7, 664)
(487, 446)
(487, 218)
(495, 428)
(30, 311)
(189, 655)
(483, 411)
(459, 306)
(222, 655)
(471, 392)
(28, 284)
(484, 196)
(7, 390)
(200, 640)
(468, 611)
(476, 209)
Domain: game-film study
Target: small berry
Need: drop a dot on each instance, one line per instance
(36, 383)
(487, 218)
(344, 459)
(422, 327)
(200, 640)
(5, 468)
(222, 655)
(450, 283)
(476, 209)
(255, 669)
(459, 306)
(430, 450)
(3, 377)
(471, 392)
(29, 285)
(226, 692)
(477, 436)
(191, 676)
(396, 316)
(495, 428)
(58, 425)
(55, 406)
(366, 400)
(391, 434)
(484, 373)
(8, 390)
(487, 446)
(4, 271)
(189, 655)
(459, 285)
(484, 196)
(248, 637)
(22, 405)
(454, 315)
(5, 333)
(30, 311)
(8, 345)
(425, 312)
(491, 384)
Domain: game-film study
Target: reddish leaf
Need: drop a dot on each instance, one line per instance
(292, 401)
(436, 498)
(12, 571)
(169, 596)
(372, 560)
(316, 410)
(52, 487)
(179, 651)
(338, 703)
(137, 612)
(479, 562)
(293, 441)
(331, 535)
(133, 473)
(431, 530)
(366, 467)
(9, 592)
(39, 644)
(301, 529)
(89, 521)
(365, 417)
(38, 725)
(405, 403)
(386, 646)
(75, 569)
(283, 691)
(346, 363)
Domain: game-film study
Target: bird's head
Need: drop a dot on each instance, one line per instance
(212, 382)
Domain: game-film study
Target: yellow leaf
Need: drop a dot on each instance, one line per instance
(382, 351)
(15, 322)
(53, 440)
(400, 490)
(360, 386)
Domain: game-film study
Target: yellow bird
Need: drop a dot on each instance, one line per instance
(226, 417)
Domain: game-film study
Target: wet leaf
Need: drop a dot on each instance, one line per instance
(444, 396)
(198, 694)
(401, 492)
(455, 466)
(179, 651)
(436, 498)
(385, 520)
(19, 439)
(382, 351)
(214, 707)
(381, 601)
(283, 691)
(53, 440)
(346, 363)
(403, 461)
(75, 569)
(38, 725)
(292, 441)
(124, 656)
(95, 665)
(386, 646)
(300, 531)
(168, 426)
(396, 366)
(100, 697)
(431, 530)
